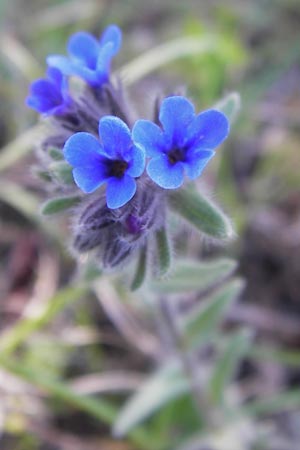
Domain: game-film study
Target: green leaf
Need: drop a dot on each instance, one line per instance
(201, 213)
(56, 154)
(141, 270)
(57, 205)
(43, 175)
(158, 390)
(201, 323)
(163, 251)
(225, 367)
(230, 106)
(190, 275)
(62, 172)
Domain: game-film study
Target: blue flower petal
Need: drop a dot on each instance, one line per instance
(83, 149)
(150, 137)
(208, 130)
(85, 47)
(44, 96)
(136, 159)
(69, 67)
(88, 179)
(89, 58)
(119, 191)
(103, 62)
(115, 136)
(55, 75)
(92, 77)
(62, 63)
(113, 35)
(176, 113)
(197, 162)
(164, 174)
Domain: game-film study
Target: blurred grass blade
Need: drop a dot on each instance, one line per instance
(141, 270)
(163, 386)
(281, 402)
(58, 205)
(21, 146)
(287, 357)
(227, 363)
(98, 408)
(20, 199)
(163, 54)
(19, 56)
(189, 275)
(17, 335)
(201, 213)
(163, 251)
(63, 14)
(229, 105)
(200, 325)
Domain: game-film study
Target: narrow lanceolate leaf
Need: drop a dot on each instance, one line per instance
(189, 275)
(58, 205)
(44, 175)
(56, 154)
(201, 213)
(163, 251)
(227, 363)
(158, 390)
(229, 105)
(141, 270)
(201, 323)
(62, 172)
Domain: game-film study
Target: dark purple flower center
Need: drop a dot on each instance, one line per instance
(175, 155)
(116, 168)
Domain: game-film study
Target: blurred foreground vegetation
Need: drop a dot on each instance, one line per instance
(80, 355)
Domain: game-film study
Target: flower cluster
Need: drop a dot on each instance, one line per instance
(96, 140)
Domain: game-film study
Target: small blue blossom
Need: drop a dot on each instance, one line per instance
(183, 145)
(50, 95)
(89, 58)
(115, 161)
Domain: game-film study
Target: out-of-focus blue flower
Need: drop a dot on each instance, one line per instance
(89, 58)
(185, 143)
(115, 161)
(50, 95)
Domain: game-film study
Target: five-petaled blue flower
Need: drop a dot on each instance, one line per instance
(89, 58)
(184, 145)
(50, 95)
(115, 161)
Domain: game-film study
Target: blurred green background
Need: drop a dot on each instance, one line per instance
(105, 345)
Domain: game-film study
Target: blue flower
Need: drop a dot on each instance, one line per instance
(50, 95)
(184, 145)
(115, 161)
(89, 58)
